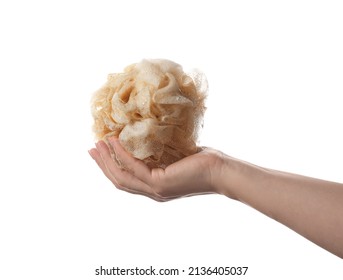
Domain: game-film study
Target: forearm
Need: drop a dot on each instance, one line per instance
(311, 207)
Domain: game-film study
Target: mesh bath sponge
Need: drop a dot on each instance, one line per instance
(154, 108)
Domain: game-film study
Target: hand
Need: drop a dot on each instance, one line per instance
(190, 176)
(310, 206)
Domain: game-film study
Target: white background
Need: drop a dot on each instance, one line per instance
(275, 74)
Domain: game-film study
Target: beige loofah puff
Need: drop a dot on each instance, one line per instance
(154, 108)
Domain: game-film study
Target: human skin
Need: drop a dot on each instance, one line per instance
(311, 207)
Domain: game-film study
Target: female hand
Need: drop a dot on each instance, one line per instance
(310, 206)
(190, 176)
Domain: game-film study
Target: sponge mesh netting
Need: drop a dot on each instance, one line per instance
(154, 108)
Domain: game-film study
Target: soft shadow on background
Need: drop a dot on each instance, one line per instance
(275, 76)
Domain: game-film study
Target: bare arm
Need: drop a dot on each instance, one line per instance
(311, 207)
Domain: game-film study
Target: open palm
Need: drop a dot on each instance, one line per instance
(189, 176)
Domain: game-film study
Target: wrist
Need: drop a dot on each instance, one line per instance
(238, 179)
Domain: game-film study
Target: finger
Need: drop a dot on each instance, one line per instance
(135, 166)
(161, 183)
(124, 179)
(95, 154)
